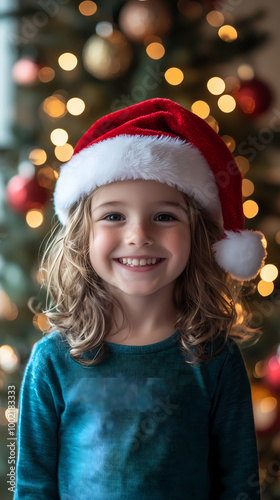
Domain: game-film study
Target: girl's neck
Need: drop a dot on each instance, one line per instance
(149, 320)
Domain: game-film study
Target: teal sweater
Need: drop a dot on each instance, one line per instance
(141, 425)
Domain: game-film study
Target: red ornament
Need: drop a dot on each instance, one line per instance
(23, 194)
(253, 97)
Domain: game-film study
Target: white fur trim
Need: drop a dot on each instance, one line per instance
(164, 159)
(241, 254)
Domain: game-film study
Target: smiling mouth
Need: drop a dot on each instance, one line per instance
(139, 262)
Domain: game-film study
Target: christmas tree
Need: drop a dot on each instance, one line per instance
(68, 63)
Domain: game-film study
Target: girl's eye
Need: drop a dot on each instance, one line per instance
(113, 217)
(165, 217)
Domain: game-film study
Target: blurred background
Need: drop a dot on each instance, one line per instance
(64, 64)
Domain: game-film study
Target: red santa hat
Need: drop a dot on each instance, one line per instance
(159, 140)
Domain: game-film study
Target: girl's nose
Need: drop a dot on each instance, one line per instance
(139, 234)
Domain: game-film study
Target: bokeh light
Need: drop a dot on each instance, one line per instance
(155, 50)
(215, 18)
(226, 103)
(8, 358)
(75, 106)
(41, 322)
(247, 187)
(201, 109)
(250, 209)
(245, 72)
(46, 74)
(47, 177)
(34, 218)
(213, 123)
(67, 61)
(13, 412)
(243, 164)
(269, 272)
(59, 137)
(64, 153)
(174, 76)
(216, 85)
(230, 142)
(104, 29)
(38, 156)
(265, 288)
(87, 8)
(227, 33)
(54, 106)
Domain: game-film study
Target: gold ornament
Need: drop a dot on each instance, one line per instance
(107, 58)
(140, 20)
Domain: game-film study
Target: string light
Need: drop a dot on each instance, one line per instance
(46, 74)
(227, 33)
(34, 218)
(232, 84)
(155, 50)
(104, 29)
(245, 72)
(277, 237)
(243, 164)
(15, 414)
(54, 106)
(8, 310)
(201, 109)
(247, 187)
(268, 404)
(174, 76)
(215, 18)
(87, 8)
(216, 85)
(8, 358)
(269, 272)
(38, 156)
(47, 177)
(260, 369)
(213, 123)
(64, 153)
(226, 103)
(265, 288)
(250, 209)
(59, 137)
(41, 322)
(230, 142)
(75, 106)
(67, 61)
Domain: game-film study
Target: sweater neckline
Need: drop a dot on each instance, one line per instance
(140, 349)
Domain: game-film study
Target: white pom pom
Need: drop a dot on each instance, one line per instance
(241, 254)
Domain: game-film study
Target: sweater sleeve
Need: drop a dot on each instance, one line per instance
(233, 456)
(37, 429)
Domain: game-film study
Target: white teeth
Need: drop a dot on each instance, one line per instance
(138, 262)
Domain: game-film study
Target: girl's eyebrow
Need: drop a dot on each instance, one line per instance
(164, 202)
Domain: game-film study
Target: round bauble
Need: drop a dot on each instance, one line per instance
(23, 194)
(140, 20)
(107, 58)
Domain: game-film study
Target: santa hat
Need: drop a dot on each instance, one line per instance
(159, 140)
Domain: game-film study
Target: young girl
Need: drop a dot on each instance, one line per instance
(139, 390)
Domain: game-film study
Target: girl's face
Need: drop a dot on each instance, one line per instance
(139, 220)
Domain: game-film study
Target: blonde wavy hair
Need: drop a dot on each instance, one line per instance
(208, 300)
